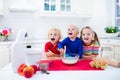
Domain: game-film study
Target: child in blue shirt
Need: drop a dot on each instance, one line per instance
(72, 43)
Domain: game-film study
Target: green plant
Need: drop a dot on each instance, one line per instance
(111, 29)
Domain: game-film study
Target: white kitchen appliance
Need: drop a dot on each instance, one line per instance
(21, 54)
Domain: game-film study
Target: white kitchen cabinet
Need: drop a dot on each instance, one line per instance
(1, 7)
(4, 53)
(73, 8)
(117, 53)
(110, 48)
(55, 7)
(22, 6)
(107, 51)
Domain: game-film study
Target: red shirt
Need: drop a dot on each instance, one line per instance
(53, 48)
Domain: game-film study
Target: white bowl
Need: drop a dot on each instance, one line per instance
(70, 60)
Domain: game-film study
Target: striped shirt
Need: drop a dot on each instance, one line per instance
(91, 49)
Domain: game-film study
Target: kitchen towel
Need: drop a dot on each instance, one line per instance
(58, 65)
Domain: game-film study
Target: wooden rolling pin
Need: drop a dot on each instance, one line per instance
(113, 63)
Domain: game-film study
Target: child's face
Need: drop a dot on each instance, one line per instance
(87, 36)
(54, 36)
(72, 31)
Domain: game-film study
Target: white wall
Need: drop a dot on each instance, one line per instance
(38, 26)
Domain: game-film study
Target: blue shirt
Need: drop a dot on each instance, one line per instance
(72, 47)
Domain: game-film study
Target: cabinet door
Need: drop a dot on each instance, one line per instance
(4, 56)
(82, 8)
(107, 51)
(1, 7)
(49, 6)
(117, 53)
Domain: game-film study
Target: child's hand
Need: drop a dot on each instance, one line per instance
(61, 52)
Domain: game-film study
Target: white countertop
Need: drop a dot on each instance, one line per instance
(111, 73)
(103, 41)
(6, 42)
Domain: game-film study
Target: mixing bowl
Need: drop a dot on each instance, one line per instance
(70, 59)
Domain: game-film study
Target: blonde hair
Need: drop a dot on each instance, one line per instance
(75, 26)
(55, 29)
(93, 33)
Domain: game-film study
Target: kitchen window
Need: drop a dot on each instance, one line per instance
(72, 8)
(65, 5)
(50, 5)
(117, 13)
(53, 5)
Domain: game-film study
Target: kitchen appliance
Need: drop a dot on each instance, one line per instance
(21, 53)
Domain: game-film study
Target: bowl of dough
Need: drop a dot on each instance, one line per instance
(70, 59)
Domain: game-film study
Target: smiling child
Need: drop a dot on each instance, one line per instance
(72, 43)
(51, 51)
(91, 43)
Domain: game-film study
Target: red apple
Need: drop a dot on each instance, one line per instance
(28, 71)
(35, 68)
(20, 69)
(38, 69)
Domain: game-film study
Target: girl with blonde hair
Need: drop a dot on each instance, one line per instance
(91, 43)
(51, 51)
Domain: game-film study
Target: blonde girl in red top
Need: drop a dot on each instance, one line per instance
(51, 47)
